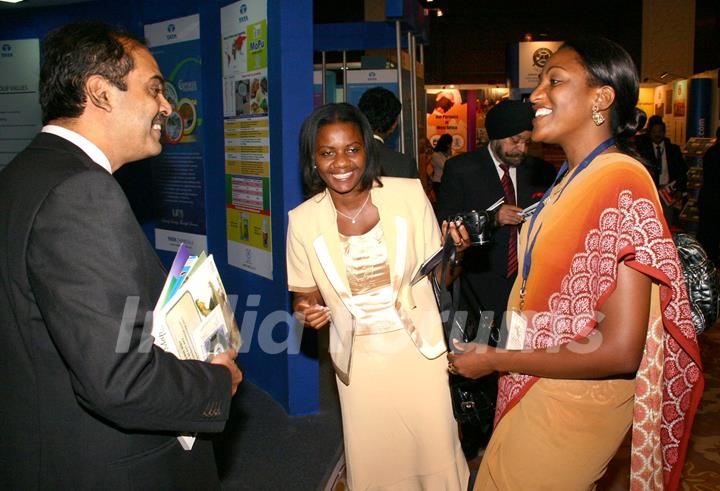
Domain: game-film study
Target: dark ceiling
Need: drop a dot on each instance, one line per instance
(468, 44)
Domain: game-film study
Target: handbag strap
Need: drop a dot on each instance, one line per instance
(453, 325)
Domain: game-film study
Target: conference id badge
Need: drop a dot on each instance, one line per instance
(517, 330)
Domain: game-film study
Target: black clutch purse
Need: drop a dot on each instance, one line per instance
(473, 400)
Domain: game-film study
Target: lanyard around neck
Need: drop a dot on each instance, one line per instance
(529, 246)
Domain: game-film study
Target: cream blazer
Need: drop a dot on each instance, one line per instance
(315, 262)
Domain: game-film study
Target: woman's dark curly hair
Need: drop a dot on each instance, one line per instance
(329, 114)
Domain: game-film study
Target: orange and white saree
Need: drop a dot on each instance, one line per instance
(560, 434)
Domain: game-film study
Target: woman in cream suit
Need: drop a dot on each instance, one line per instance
(352, 250)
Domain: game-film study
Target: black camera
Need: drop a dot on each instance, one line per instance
(477, 223)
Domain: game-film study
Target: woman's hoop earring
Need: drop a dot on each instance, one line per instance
(597, 118)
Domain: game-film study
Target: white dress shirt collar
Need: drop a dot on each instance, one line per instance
(664, 177)
(85, 145)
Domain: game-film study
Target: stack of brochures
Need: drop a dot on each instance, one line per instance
(193, 318)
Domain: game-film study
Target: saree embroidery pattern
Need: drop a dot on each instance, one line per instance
(662, 417)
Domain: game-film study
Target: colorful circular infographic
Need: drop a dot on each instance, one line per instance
(174, 128)
(171, 94)
(188, 113)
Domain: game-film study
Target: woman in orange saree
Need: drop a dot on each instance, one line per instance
(600, 336)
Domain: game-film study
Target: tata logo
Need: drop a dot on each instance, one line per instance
(171, 32)
(6, 51)
(257, 45)
(541, 56)
(243, 13)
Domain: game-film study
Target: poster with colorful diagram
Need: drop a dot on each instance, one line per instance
(178, 173)
(247, 136)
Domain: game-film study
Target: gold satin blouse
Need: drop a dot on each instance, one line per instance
(368, 272)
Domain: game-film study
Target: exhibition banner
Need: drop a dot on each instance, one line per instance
(699, 122)
(670, 104)
(677, 132)
(532, 56)
(646, 100)
(448, 114)
(330, 86)
(359, 81)
(20, 114)
(178, 173)
(243, 28)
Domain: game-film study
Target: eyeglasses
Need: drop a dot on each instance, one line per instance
(519, 141)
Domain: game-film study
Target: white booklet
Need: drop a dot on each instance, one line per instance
(528, 212)
(193, 318)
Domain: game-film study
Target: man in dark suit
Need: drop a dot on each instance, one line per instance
(666, 164)
(382, 109)
(476, 180)
(87, 401)
(664, 157)
(473, 181)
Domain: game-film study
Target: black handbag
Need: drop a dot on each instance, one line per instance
(473, 400)
(701, 279)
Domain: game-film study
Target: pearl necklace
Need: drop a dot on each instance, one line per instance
(354, 217)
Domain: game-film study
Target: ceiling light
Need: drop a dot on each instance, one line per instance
(11, 1)
(668, 76)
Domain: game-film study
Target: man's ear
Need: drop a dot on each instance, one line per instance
(605, 97)
(394, 125)
(99, 92)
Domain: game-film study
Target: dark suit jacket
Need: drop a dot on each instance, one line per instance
(395, 164)
(82, 408)
(709, 203)
(470, 182)
(677, 168)
(709, 198)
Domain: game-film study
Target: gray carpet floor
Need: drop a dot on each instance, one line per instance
(262, 448)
